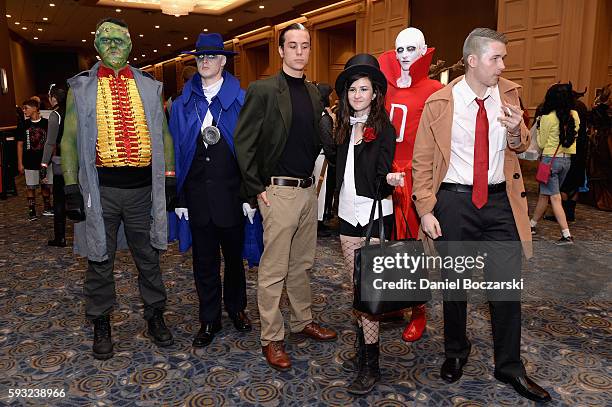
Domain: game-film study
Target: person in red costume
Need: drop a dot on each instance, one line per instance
(406, 69)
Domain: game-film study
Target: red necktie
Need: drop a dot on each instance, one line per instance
(480, 191)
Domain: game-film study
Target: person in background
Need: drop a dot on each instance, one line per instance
(52, 153)
(324, 169)
(557, 134)
(31, 140)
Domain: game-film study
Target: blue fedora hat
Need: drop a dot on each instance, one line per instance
(210, 44)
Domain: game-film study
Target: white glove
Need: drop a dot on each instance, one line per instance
(248, 211)
(182, 212)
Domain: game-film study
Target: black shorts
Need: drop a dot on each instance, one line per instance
(347, 229)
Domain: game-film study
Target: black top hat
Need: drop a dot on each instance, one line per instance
(361, 63)
(210, 44)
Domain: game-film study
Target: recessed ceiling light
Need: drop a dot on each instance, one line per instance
(185, 38)
(39, 29)
(205, 30)
(51, 5)
(83, 40)
(143, 55)
(24, 28)
(17, 23)
(35, 38)
(230, 19)
(154, 50)
(169, 45)
(45, 18)
(118, 10)
(141, 35)
(262, 6)
(156, 26)
(93, 33)
(135, 59)
(8, 16)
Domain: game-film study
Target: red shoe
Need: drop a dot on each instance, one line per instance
(415, 328)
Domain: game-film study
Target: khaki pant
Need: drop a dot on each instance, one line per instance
(290, 239)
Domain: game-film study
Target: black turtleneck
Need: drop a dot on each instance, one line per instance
(300, 153)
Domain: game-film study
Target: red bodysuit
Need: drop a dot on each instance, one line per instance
(405, 106)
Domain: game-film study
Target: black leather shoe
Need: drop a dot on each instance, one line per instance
(241, 321)
(206, 334)
(526, 387)
(452, 369)
(158, 330)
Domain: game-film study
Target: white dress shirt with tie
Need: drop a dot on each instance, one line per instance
(461, 165)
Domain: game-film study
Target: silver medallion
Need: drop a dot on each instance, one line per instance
(211, 135)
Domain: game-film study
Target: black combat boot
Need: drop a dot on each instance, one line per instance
(369, 372)
(103, 345)
(352, 364)
(158, 330)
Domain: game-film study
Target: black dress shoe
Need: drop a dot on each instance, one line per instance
(452, 369)
(206, 334)
(526, 387)
(241, 321)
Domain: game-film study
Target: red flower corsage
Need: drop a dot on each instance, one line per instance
(368, 134)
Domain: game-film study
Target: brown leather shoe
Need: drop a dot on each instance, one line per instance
(319, 333)
(276, 356)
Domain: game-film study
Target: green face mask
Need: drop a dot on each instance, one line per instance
(113, 43)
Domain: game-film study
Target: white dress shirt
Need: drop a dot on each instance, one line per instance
(355, 209)
(209, 93)
(461, 165)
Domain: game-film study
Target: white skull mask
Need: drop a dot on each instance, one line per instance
(409, 46)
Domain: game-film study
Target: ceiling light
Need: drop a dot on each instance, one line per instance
(8, 16)
(39, 29)
(135, 59)
(24, 28)
(205, 30)
(51, 5)
(262, 6)
(143, 55)
(83, 40)
(230, 19)
(17, 23)
(169, 45)
(35, 38)
(156, 26)
(154, 50)
(93, 33)
(118, 10)
(177, 7)
(45, 19)
(185, 38)
(141, 35)
(98, 57)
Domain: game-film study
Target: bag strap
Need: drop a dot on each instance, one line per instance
(381, 230)
(555, 154)
(405, 223)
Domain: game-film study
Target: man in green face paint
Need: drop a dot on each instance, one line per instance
(118, 163)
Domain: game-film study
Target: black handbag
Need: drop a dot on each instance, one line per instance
(371, 271)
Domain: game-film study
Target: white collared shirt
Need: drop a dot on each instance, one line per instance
(355, 209)
(461, 165)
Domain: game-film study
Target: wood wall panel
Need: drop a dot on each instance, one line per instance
(515, 60)
(516, 15)
(548, 13)
(384, 20)
(545, 52)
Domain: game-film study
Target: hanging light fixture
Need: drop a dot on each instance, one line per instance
(177, 7)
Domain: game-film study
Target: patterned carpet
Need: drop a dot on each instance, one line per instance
(45, 341)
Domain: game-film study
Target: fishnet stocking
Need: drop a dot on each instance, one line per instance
(367, 322)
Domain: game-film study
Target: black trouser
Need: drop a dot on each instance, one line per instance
(133, 207)
(207, 269)
(461, 221)
(59, 207)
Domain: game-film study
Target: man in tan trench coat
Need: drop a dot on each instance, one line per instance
(468, 187)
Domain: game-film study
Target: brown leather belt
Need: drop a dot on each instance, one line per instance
(288, 182)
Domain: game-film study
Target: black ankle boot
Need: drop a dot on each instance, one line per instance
(369, 371)
(158, 330)
(57, 242)
(352, 364)
(103, 345)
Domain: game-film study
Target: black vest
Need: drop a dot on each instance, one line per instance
(212, 186)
